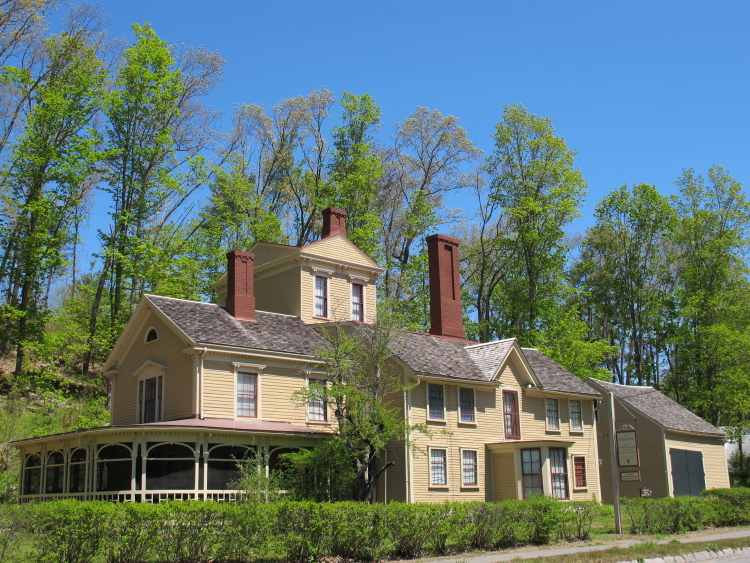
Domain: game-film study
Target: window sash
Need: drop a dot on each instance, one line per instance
(579, 471)
(438, 467)
(149, 400)
(553, 414)
(469, 468)
(247, 395)
(576, 423)
(321, 296)
(466, 404)
(559, 470)
(510, 414)
(436, 403)
(316, 407)
(531, 468)
(358, 302)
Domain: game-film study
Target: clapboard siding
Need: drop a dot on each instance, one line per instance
(267, 252)
(178, 378)
(218, 389)
(653, 466)
(714, 460)
(340, 247)
(489, 429)
(279, 292)
(339, 297)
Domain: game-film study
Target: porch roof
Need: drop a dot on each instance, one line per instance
(513, 445)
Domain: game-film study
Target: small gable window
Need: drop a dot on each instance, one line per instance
(152, 335)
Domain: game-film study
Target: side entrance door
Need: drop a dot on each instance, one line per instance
(688, 478)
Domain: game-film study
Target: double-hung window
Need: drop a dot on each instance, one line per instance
(531, 467)
(466, 404)
(247, 394)
(576, 422)
(436, 404)
(150, 399)
(553, 414)
(510, 415)
(358, 302)
(469, 468)
(559, 469)
(317, 410)
(438, 467)
(321, 296)
(579, 471)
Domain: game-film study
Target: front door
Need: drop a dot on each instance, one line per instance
(688, 478)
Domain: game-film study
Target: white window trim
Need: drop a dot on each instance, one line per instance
(570, 418)
(572, 474)
(328, 274)
(363, 282)
(447, 468)
(145, 336)
(257, 370)
(502, 410)
(317, 376)
(458, 406)
(568, 468)
(141, 374)
(546, 418)
(461, 455)
(427, 403)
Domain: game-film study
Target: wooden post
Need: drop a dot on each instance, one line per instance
(615, 465)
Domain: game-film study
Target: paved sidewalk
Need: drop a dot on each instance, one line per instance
(553, 552)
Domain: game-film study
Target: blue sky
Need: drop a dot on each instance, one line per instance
(640, 89)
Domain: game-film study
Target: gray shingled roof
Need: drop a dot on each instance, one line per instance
(662, 409)
(425, 353)
(553, 377)
(488, 357)
(206, 323)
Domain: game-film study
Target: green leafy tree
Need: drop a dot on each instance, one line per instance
(46, 180)
(538, 189)
(710, 374)
(627, 278)
(362, 374)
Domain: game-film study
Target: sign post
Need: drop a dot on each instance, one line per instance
(615, 465)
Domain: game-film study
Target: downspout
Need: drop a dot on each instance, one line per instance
(200, 382)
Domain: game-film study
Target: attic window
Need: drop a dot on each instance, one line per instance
(152, 335)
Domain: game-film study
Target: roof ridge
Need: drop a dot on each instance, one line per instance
(222, 307)
(488, 343)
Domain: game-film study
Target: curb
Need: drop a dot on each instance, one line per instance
(697, 556)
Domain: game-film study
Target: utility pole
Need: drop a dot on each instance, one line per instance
(615, 464)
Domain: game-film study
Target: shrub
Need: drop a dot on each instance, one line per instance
(543, 515)
(66, 531)
(577, 519)
(667, 515)
(248, 531)
(358, 530)
(731, 507)
(129, 532)
(301, 530)
(11, 525)
(409, 527)
(189, 531)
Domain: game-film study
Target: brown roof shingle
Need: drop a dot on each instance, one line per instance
(659, 407)
(553, 377)
(206, 323)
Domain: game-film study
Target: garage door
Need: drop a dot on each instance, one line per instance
(688, 478)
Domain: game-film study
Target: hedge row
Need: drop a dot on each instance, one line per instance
(70, 531)
(716, 507)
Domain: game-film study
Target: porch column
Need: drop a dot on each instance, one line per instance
(66, 470)
(133, 467)
(43, 476)
(197, 454)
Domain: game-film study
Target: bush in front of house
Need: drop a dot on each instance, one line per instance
(667, 515)
(731, 507)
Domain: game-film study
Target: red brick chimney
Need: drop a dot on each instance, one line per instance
(334, 222)
(446, 313)
(240, 295)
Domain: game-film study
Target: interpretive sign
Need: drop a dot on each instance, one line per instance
(627, 449)
(626, 476)
(646, 493)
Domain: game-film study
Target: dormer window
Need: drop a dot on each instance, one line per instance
(152, 335)
(321, 296)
